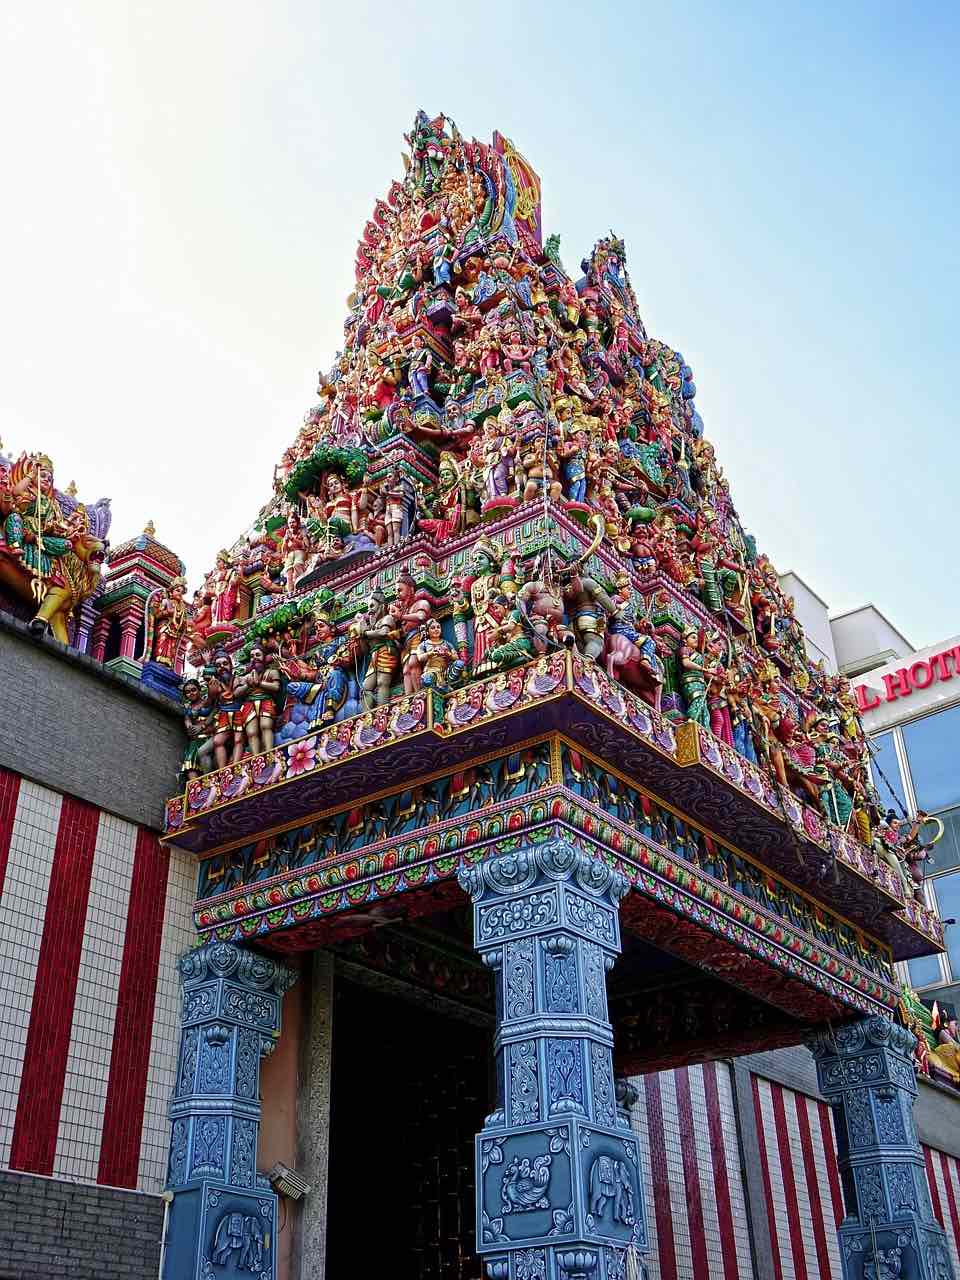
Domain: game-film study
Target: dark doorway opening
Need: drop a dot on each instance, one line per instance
(409, 1092)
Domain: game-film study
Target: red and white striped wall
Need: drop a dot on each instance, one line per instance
(93, 915)
(693, 1187)
(802, 1184)
(694, 1194)
(943, 1176)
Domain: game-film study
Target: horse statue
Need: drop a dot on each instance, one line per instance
(74, 578)
(51, 546)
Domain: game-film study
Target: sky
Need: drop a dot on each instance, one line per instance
(185, 183)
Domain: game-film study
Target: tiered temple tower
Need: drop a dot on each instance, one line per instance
(511, 639)
(139, 574)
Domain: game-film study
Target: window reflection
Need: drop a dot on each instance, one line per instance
(933, 748)
(946, 852)
(924, 972)
(885, 759)
(947, 889)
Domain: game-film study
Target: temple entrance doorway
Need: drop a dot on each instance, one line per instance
(410, 1088)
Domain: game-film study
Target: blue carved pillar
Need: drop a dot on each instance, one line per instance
(889, 1232)
(558, 1169)
(222, 1218)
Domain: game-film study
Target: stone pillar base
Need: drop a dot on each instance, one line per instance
(906, 1250)
(866, 1070)
(215, 1230)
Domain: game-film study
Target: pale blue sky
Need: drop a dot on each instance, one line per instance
(185, 184)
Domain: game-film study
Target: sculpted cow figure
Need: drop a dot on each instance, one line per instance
(631, 649)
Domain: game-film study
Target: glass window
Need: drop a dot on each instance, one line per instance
(946, 852)
(947, 889)
(884, 754)
(924, 972)
(933, 750)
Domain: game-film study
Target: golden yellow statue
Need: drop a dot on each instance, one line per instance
(46, 557)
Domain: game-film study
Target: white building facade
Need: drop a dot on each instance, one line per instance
(910, 703)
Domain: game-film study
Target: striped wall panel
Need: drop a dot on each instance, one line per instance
(943, 1175)
(93, 915)
(23, 904)
(95, 1006)
(693, 1186)
(802, 1184)
(178, 934)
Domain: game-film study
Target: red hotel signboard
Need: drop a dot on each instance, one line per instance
(920, 675)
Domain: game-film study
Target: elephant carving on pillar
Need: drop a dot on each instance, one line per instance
(610, 1180)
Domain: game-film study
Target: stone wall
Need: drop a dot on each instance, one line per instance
(79, 729)
(75, 732)
(54, 1229)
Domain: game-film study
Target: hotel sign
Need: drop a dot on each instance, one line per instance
(905, 681)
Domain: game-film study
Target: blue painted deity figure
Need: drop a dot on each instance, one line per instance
(419, 375)
(443, 256)
(326, 695)
(573, 466)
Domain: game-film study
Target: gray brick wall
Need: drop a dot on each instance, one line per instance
(51, 1230)
(72, 726)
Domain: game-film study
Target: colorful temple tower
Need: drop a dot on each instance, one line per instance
(498, 669)
(124, 606)
(143, 620)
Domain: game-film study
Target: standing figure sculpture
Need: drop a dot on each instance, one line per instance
(694, 675)
(499, 451)
(401, 499)
(167, 623)
(541, 607)
(227, 741)
(482, 599)
(413, 607)
(198, 721)
(259, 686)
(224, 588)
(589, 607)
(294, 546)
(379, 627)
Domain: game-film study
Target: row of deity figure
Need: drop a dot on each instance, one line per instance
(501, 614)
(494, 617)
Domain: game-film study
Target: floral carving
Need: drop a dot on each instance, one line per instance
(524, 1083)
(517, 915)
(604, 1100)
(518, 976)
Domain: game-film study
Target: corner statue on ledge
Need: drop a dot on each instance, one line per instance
(52, 546)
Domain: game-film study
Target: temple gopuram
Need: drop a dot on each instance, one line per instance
(497, 707)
